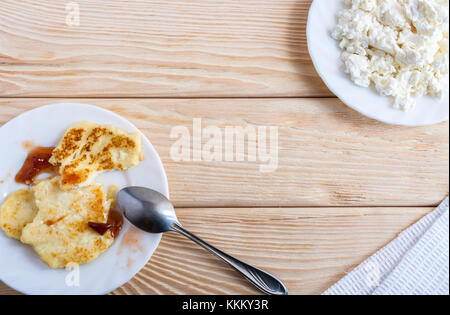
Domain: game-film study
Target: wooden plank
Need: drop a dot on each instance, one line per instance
(308, 248)
(157, 48)
(329, 155)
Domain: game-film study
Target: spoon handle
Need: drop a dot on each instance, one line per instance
(261, 279)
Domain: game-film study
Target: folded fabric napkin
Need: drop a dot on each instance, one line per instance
(415, 263)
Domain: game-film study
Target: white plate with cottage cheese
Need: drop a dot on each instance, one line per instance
(386, 59)
(21, 267)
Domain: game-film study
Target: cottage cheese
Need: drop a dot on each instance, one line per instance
(398, 46)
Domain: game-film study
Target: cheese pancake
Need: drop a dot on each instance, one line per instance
(67, 219)
(87, 149)
(18, 210)
(60, 232)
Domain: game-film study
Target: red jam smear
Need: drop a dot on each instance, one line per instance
(37, 162)
(114, 224)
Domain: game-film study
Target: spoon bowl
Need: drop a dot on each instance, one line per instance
(147, 209)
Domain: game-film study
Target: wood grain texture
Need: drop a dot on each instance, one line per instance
(308, 248)
(329, 155)
(347, 184)
(157, 48)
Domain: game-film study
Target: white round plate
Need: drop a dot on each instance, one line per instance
(20, 266)
(326, 56)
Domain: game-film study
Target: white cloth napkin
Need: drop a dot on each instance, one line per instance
(415, 263)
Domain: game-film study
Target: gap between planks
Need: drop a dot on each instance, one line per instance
(171, 97)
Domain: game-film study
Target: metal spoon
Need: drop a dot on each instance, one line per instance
(154, 213)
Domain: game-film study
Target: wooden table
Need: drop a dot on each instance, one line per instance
(345, 185)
